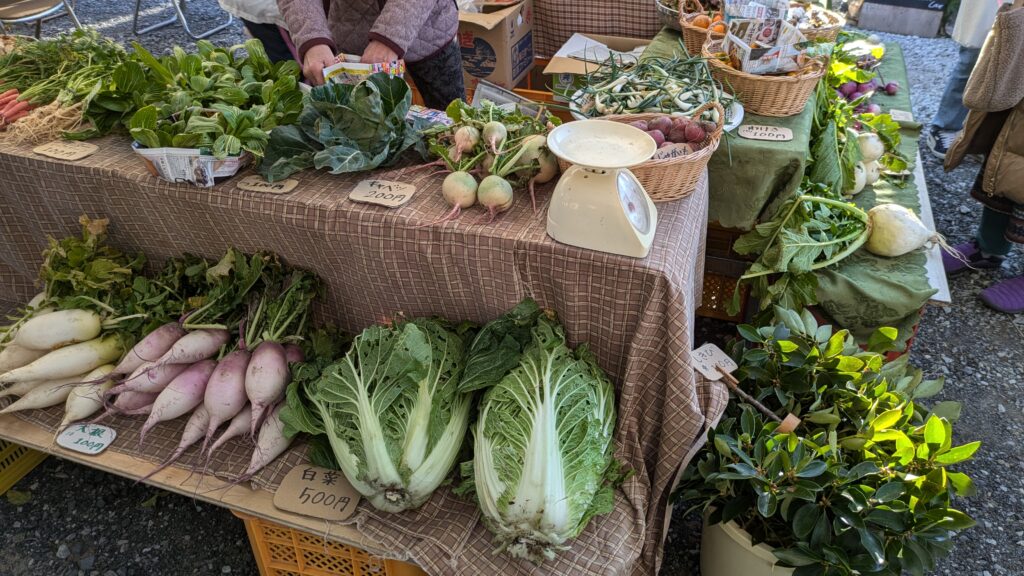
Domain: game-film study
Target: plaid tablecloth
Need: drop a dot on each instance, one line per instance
(636, 314)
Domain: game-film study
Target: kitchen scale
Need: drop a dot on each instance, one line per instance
(598, 203)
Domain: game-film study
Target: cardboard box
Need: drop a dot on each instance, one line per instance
(497, 43)
(584, 53)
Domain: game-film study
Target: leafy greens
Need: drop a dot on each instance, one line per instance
(347, 128)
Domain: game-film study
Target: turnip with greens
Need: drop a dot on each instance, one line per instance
(459, 191)
(872, 172)
(871, 146)
(466, 138)
(236, 427)
(195, 346)
(294, 354)
(270, 444)
(495, 194)
(128, 404)
(860, 175)
(194, 430)
(896, 230)
(535, 150)
(149, 378)
(58, 329)
(494, 135)
(225, 392)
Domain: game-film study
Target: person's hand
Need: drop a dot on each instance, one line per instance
(317, 58)
(378, 52)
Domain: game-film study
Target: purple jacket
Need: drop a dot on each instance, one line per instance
(414, 29)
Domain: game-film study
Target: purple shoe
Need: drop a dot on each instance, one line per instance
(975, 260)
(1006, 296)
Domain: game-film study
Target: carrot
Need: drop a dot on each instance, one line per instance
(14, 109)
(8, 97)
(15, 117)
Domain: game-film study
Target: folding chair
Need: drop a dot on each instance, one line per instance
(34, 11)
(179, 16)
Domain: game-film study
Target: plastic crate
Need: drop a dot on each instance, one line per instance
(15, 462)
(282, 551)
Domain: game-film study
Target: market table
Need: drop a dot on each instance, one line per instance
(636, 314)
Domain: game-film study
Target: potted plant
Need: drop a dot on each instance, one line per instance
(863, 485)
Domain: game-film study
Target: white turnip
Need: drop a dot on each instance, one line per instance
(871, 146)
(195, 346)
(466, 138)
(896, 230)
(860, 176)
(265, 379)
(150, 348)
(57, 329)
(87, 399)
(225, 394)
(14, 356)
(535, 150)
(181, 396)
(459, 191)
(872, 172)
(149, 378)
(69, 361)
(495, 194)
(494, 135)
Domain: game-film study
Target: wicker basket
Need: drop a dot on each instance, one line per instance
(669, 16)
(776, 96)
(694, 36)
(827, 33)
(671, 179)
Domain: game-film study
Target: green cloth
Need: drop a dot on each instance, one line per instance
(746, 176)
(864, 291)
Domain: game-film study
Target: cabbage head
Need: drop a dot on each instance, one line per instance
(391, 411)
(542, 460)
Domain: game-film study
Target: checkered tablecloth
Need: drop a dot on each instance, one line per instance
(637, 315)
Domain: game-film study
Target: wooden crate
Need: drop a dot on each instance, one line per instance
(282, 551)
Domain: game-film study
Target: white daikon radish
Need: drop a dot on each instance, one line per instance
(58, 329)
(68, 361)
(87, 399)
(19, 389)
(45, 395)
(872, 172)
(871, 146)
(14, 356)
(896, 230)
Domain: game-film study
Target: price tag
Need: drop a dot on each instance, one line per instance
(708, 358)
(317, 492)
(69, 150)
(901, 115)
(762, 132)
(256, 183)
(382, 192)
(89, 439)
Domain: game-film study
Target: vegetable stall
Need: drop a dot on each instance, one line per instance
(262, 278)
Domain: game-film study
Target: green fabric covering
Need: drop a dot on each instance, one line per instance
(865, 292)
(745, 176)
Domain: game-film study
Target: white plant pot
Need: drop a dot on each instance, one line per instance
(725, 550)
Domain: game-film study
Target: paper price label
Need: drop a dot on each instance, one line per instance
(90, 439)
(709, 358)
(762, 132)
(256, 183)
(382, 192)
(317, 492)
(901, 115)
(69, 150)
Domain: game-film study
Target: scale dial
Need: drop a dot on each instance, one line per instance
(634, 202)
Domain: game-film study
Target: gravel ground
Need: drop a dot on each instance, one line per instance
(81, 521)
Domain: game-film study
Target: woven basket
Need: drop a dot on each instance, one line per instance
(694, 36)
(669, 15)
(827, 33)
(672, 178)
(776, 96)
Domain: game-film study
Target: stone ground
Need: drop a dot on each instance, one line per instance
(71, 520)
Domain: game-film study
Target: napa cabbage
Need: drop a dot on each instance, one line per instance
(390, 410)
(542, 458)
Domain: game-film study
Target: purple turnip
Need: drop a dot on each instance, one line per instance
(266, 377)
(892, 88)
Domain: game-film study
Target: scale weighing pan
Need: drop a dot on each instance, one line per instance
(598, 203)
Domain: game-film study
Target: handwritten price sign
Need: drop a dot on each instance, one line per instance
(88, 439)
(382, 192)
(317, 492)
(69, 150)
(769, 133)
(256, 183)
(709, 358)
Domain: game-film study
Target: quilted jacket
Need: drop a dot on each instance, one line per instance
(414, 29)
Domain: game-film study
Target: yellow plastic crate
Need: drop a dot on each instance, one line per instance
(282, 551)
(15, 462)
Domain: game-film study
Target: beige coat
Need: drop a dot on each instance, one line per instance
(995, 119)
